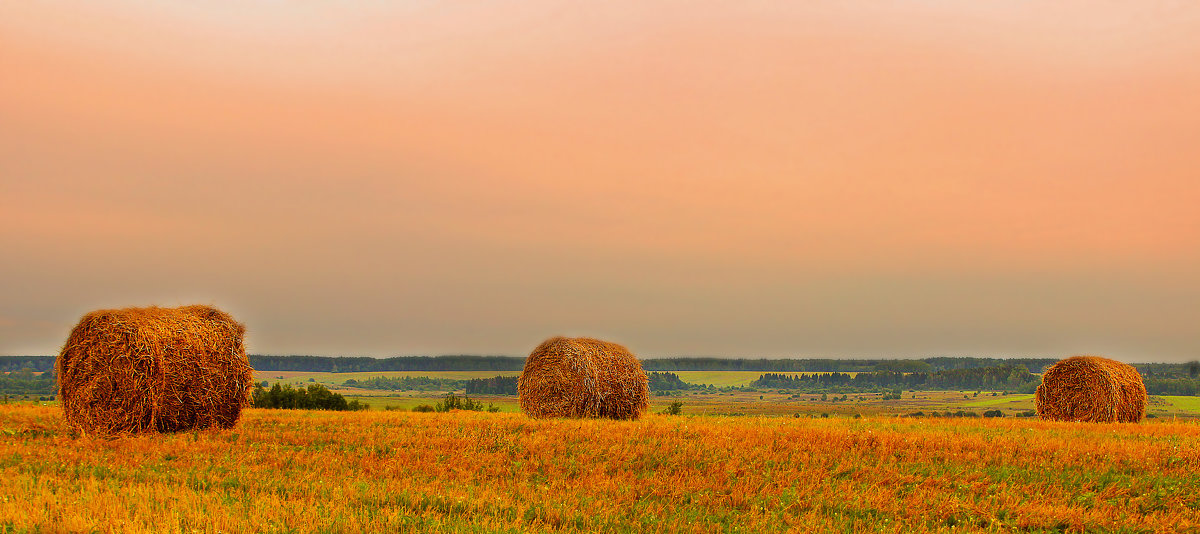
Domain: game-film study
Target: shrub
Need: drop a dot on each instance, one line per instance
(314, 397)
(675, 408)
(454, 402)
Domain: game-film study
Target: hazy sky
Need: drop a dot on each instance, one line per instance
(751, 179)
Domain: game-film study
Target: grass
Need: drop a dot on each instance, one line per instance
(1012, 400)
(775, 403)
(1186, 404)
(506, 403)
(295, 471)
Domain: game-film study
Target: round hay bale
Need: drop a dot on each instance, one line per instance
(154, 370)
(1090, 388)
(583, 377)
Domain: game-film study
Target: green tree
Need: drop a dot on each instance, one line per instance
(675, 408)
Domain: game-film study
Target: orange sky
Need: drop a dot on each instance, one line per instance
(838, 179)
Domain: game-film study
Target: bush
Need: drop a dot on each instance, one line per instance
(993, 413)
(314, 397)
(423, 408)
(675, 408)
(454, 402)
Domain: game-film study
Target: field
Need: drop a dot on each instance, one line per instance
(334, 380)
(766, 402)
(297, 471)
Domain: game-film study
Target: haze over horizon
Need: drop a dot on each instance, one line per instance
(824, 180)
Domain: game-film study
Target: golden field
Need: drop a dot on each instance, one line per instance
(376, 471)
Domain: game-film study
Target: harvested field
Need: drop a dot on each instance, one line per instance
(479, 472)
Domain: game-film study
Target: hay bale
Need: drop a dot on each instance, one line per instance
(1090, 388)
(154, 370)
(583, 377)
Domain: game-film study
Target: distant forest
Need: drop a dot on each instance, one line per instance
(330, 364)
(19, 374)
(1015, 378)
(516, 363)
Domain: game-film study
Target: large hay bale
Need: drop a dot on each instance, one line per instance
(1090, 388)
(154, 370)
(583, 377)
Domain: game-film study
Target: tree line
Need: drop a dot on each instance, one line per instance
(1008, 377)
(1013, 378)
(668, 381)
(345, 364)
(33, 363)
(498, 385)
(406, 383)
(336, 364)
(342, 364)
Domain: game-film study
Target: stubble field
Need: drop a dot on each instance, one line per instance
(297, 471)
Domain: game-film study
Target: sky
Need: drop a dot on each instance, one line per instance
(739, 179)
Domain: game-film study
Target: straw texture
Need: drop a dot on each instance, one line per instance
(154, 370)
(1091, 388)
(583, 377)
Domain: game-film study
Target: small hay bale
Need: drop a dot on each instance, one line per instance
(583, 377)
(1093, 389)
(154, 370)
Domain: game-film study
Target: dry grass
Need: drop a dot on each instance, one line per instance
(1090, 388)
(583, 377)
(154, 370)
(375, 471)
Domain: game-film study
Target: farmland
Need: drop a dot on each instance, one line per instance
(297, 471)
(728, 401)
(714, 378)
